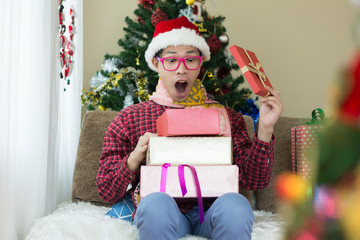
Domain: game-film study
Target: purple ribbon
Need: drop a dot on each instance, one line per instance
(197, 186)
(164, 176)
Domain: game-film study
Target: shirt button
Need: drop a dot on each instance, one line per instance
(131, 176)
(263, 149)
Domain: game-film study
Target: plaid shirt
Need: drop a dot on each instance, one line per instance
(254, 159)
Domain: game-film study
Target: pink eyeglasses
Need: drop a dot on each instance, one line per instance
(173, 63)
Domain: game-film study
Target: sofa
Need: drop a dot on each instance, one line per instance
(70, 219)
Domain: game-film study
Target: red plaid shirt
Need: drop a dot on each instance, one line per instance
(254, 159)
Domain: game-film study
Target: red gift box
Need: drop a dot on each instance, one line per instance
(251, 69)
(303, 139)
(193, 121)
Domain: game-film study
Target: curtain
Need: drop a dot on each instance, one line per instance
(39, 121)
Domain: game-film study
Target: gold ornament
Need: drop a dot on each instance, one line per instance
(190, 2)
(210, 75)
(102, 108)
(200, 27)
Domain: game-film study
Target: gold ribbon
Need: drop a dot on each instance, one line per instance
(255, 69)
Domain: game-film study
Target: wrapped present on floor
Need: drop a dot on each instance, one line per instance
(303, 139)
(251, 69)
(193, 121)
(213, 181)
(189, 150)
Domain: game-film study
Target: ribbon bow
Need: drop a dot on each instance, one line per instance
(255, 68)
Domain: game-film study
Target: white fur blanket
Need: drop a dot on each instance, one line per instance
(83, 221)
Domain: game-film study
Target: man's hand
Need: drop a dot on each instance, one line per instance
(270, 111)
(139, 153)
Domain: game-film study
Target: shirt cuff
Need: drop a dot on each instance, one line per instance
(128, 175)
(264, 150)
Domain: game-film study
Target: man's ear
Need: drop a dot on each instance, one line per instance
(155, 62)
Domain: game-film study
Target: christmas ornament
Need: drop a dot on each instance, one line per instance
(291, 188)
(148, 4)
(197, 13)
(158, 16)
(224, 38)
(111, 65)
(140, 20)
(200, 26)
(190, 2)
(223, 72)
(187, 12)
(214, 44)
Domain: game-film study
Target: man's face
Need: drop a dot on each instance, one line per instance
(178, 83)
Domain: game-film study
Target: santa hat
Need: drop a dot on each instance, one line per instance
(179, 31)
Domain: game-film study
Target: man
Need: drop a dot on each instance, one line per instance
(177, 52)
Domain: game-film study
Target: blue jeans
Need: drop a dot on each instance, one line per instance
(159, 218)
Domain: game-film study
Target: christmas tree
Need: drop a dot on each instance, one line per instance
(126, 79)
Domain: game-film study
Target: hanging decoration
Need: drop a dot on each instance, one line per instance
(214, 44)
(148, 4)
(197, 13)
(127, 80)
(66, 51)
(224, 38)
(158, 16)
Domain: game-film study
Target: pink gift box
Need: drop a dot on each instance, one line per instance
(193, 121)
(303, 139)
(214, 181)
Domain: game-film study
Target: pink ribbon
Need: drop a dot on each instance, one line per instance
(181, 174)
(197, 186)
(164, 176)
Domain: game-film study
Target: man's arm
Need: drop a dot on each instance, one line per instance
(113, 175)
(255, 158)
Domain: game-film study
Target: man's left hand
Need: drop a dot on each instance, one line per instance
(270, 111)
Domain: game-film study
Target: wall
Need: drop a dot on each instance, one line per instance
(302, 44)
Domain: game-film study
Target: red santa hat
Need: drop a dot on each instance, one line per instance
(179, 31)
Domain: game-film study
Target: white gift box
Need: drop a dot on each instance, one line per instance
(189, 150)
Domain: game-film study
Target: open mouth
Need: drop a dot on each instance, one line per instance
(181, 86)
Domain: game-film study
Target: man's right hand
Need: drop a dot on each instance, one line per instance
(137, 156)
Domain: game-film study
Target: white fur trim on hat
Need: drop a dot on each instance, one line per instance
(175, 37)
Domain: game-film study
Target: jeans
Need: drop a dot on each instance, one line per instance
(158, 217)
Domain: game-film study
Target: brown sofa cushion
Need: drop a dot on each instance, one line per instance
(92, 134)
(266, 199)
(93, 130)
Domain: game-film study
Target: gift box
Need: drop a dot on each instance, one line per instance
(213, 181)
(303, 138)
(193, 121)
(189, 150)
(251, 69)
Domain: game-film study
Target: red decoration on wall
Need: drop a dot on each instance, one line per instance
(158, 16)
(214, 44)
(66, 51)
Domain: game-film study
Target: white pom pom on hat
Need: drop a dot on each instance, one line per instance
(179, 31)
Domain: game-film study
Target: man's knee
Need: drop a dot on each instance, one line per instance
(156, 204)
(234, 206)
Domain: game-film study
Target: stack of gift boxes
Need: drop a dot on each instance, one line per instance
(190, 157)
